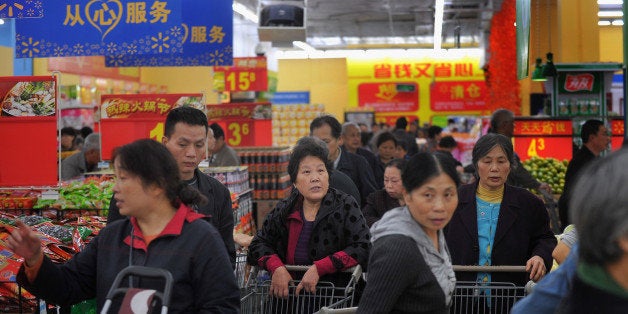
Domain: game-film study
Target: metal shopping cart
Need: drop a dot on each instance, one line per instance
(258, 300)
(494, 297)
(242, 270)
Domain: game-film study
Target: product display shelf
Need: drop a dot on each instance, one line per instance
(268, 167)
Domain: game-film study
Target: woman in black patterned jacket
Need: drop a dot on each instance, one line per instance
(316, 225)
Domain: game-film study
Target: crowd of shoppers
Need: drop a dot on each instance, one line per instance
(395, 208)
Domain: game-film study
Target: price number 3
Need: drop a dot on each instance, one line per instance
(238, 130)
(536, 145)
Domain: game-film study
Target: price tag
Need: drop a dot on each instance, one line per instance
(239, 134)
(118, 132)
(247, 74)
(556, 147)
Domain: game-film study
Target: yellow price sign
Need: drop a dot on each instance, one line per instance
(536, 145)
(239, 134)
(241, 81)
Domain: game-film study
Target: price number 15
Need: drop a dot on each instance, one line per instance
(240, 82)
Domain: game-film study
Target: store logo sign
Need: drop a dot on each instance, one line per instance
(579, 82)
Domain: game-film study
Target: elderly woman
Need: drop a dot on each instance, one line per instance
(410, 268)
(599, 212)
(162, 232)
(498, 224)
(381, 201)
(386, 147)
(316, 225)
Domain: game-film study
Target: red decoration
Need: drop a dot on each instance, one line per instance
(502, 83)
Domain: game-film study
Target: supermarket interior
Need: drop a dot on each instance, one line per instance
(83, 78)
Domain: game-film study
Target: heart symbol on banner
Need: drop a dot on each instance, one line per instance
(108, 13)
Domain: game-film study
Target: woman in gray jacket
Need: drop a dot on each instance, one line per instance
(410, 268)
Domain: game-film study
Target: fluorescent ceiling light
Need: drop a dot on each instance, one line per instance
(438, 23)
(618, 22)
(610, 14)
(245, 12)
(604, 23)
(615, 2)
(304, 46)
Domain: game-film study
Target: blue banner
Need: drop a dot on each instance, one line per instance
(207, 40)
(101, 27)
(19, 9)
(290, 98)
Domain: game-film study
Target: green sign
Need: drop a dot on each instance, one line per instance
(523, 38)
(579, 82)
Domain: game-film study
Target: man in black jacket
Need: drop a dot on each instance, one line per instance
(185, 136)
(595, 140)
(328, 129)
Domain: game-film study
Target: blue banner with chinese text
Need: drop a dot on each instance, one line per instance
(207, 40)
(19, 9)
(101, 27)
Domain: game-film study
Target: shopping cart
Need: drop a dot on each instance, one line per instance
(140, 271)
(494, 297)
(258, 300)
(241, 269)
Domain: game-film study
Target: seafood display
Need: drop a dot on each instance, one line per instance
(30, 99)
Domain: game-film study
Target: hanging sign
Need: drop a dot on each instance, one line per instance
(458, 96)
(579, 83)
(29, 131)
(389, 96)
(207, 39)
(99, 27)
(244, 124)
(19, 9)
(246, 74)
(126, 118)
(543, 138)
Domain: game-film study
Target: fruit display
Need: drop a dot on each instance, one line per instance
(549, 170)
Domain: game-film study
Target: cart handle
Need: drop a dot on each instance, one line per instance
(356, 271)
(141, 271)
(490, 269)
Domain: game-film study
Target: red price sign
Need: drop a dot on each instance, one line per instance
(239, 134)
(545, 147)
(247, 74)
(118, 132)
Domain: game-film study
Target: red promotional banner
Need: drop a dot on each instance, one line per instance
(246, 74)
(617, 134)
(126, 118)
(244, 124)
(29, 128)
(458, 96)
(543, 138)
(389, 96)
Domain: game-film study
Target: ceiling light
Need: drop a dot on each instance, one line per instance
(549, 69)
(245, 12)
(604, 23)
(610, 14)
(618, 22)
(439, 10)
(303, 46)
(611, 2)
(537, 75)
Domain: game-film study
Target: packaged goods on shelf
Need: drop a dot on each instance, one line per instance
(291, 122)
(268, 168)
(236, 179)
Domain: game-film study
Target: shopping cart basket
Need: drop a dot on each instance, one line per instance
(494, 297)
(258, 300)
(241, 270)
(140, 271)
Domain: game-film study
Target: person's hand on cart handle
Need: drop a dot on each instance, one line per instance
(309, 280)
(24, 242)
(279, 283)
(536, 267)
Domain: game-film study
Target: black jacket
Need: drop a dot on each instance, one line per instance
(580, 159)
(339, 226)
(203, 280)
(358, 169)
(218, 208)
(377, 204)
(522, 232)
